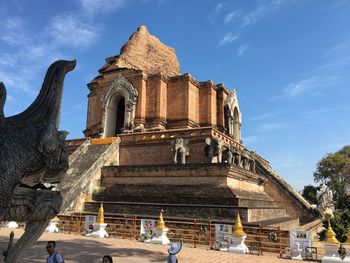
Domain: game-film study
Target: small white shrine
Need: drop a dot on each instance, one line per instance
(160, 232)
(53, 225)
(331, 247)
(237, 239)
(99, 228)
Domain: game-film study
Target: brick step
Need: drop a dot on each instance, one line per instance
(214, 212)
(184, 200)
(184, 194)
(286, 222)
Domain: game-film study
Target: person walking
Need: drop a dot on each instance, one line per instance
(173, 250)
(53, 257)
(107, 259)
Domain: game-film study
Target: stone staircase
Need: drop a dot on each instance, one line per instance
(186, 201)
(84, 163)
(144, 190)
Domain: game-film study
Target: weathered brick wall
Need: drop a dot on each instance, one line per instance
(155, 147)
(285, 199)
(177, 102)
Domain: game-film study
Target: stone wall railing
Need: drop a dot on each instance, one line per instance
(196, 232)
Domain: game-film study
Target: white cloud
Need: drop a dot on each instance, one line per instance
(14, 23)
(213, 14)
(331, 74)
(20, 50)
(93, 7)
(264, 116)
(242, 49)
(12, 31)
(218, 8)
(312, 84)
(325, 110)
(264, 9)
(228, 38)
(294, 89)
(17, 82)
(231, 16)
(267, 127)
(71, 30)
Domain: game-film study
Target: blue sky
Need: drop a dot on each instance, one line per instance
(288, 60)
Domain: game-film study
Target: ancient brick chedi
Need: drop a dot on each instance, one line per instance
(176, 146)
(144, 86)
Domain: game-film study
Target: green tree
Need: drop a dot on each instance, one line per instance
(340, 224)
(345, 151)
(309, 193)
(334, 171)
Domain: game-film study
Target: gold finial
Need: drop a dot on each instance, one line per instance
(330, 235)
(100, 217)
(55, 219)
(238, 229)
(161, 223)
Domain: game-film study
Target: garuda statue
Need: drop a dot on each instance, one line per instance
(33, 158)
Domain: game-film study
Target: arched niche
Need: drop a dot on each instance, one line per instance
(236, 125)
(119, 108)
(232, 116)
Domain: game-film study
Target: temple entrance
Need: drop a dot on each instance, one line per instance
(119, 108)
(120, 116)
(115, 118)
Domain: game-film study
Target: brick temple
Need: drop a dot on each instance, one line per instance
(158, 139)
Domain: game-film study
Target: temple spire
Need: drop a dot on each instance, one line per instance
(161, 223)
(100, 217)
(238, 229)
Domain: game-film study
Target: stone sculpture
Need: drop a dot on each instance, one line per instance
(180, 150)
(214, 148)
(232, 155)
(243, 159)
(325, 201)
(229, 157)
(33, 158)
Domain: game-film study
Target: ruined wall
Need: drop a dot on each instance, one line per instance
(283, 196)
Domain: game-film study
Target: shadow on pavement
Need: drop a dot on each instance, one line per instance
(88, 251)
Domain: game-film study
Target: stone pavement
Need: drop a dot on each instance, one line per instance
(84, 249)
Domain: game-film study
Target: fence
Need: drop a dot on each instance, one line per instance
(196, 232)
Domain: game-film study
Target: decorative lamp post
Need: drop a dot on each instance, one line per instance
(238, 237)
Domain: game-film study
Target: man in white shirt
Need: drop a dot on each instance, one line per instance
(54, 257)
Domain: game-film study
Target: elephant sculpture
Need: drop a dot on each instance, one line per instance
(214, 148)
(33, 159)
(180, 150)
(232, 155)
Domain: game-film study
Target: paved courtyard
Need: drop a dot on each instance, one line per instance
(83, 249)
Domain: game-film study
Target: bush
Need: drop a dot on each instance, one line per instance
(340, 224)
